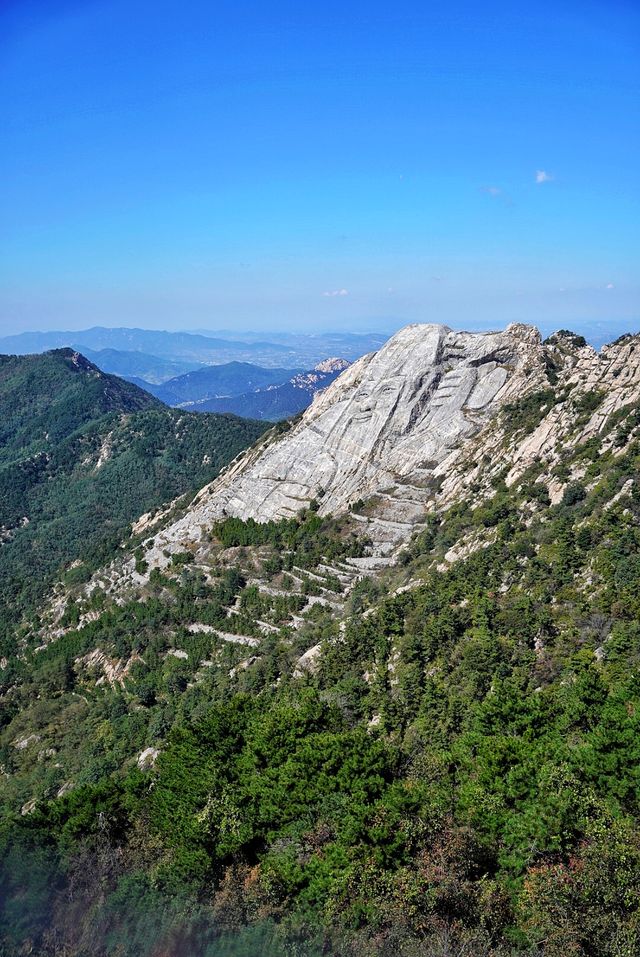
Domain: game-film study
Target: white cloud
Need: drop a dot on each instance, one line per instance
(543, 177)
(609, 286)
(497, 193)
(336, 292)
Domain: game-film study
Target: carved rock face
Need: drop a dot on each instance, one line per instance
(390, 417)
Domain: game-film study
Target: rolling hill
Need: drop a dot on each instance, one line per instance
(221, 381)
(82, 453)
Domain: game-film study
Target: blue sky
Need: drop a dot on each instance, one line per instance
(318, 166)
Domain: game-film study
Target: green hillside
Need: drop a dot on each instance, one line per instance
(82, 454)
(45, 398)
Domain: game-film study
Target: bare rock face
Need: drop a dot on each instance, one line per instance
(589, 388)
(381, 428)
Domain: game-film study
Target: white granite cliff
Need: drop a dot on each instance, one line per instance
(612, 375)
(389, 419)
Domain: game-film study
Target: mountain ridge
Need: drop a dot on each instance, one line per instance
(66, 381)
(79, 450)
(431, 465)
(287, 350)
(391, 415)
(280, 400)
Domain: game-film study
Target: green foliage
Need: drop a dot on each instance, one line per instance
(82, 454)
(589, 402)
(574, 492)
(46, 398)
(309, 536)
(564, 336)
(527, 413)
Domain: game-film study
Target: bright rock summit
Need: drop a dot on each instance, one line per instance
(381, 428)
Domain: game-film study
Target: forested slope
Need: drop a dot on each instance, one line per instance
(82, 454)
(262, 749)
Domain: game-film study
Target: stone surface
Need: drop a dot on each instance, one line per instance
(309, 662)
(224, 635)
(147, 758)
(381, 428)
(334, 364)
(613, 375)
(113, 671)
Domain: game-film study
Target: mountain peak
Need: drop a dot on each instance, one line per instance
(381, 428)
(75, 360)
(413, 427)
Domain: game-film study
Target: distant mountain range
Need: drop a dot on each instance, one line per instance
(215, 382)
(138, 365)
(180, 345)
(245, 389)
(279, 401)
(186, 351)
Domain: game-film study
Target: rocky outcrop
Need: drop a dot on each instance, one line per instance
(320, 377)
(432, 419)
(332, 365)
(589, 387)
(114, 672)
(381, 428)
(147, 758)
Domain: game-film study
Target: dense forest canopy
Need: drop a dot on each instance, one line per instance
(83, 454)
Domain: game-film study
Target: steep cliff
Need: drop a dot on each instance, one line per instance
(383, 427)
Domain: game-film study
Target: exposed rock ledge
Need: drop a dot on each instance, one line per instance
(386, 423)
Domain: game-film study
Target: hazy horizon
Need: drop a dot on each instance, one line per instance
(596, 332)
